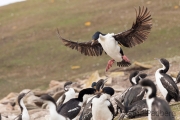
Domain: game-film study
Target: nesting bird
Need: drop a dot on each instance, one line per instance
(71, 108)
(54, 115)
(24, 112)
(69, 94)
(158, 108)
(133, 93)
(110, 43)
(165, 83)
(87, 111)
(138, 108)
(102, 108)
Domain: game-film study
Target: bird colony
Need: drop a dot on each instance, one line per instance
(146, 95)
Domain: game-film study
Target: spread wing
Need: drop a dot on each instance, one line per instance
(86, 48)
(139, 31)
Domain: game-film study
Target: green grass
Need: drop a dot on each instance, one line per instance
(31, 54)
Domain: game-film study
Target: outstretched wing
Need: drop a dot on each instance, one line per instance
(139, 31)
(86, 48)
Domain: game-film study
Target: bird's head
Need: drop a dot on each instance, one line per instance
(149, 86)
(96, 36)
(67, 85)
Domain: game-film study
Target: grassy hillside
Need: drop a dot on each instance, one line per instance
(31, 54)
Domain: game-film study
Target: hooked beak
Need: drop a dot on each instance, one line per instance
(92, 42)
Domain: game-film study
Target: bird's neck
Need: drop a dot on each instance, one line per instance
(53, 112)
(71, 91)
(151, 93)
(104, 97)
(24, 112)
(164, 69)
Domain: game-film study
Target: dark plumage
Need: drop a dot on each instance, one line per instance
(71, 108)
(136, 109)
(87, 111)
(110, 42)
(165, 83)
(158, 108)
(133, 93)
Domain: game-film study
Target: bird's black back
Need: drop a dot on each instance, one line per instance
(161, 110)
(133, 95)
(170, 86)
(70, 109)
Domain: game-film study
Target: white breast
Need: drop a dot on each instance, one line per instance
(100, 110)
(163, 91)
(110, 46)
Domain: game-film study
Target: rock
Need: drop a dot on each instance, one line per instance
(58, 94)
(141, 65)
(93, 78)
(54, 83)
(10, 97)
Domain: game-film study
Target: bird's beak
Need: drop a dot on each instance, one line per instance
(92, 42)
(156, 58)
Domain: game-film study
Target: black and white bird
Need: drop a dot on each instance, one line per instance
(158, 108)
(133, 93)
(54, 115)
(136, 109)
(86, 114)
(71, 108)
(69, 94)
(165, 83)
(24, 112)
(102, 108)
(111, 42)
(134, 79)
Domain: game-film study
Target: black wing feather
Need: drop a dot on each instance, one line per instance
(86, 48)
(70, 109)
(161, 110)
(111, 108)
(170, 86)
(139, 31)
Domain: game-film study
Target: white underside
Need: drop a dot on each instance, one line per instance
(149, 102)
(100, 110)
(53, 113)
(163, 91)
(25, 114)
(69, 95)
(110, 46)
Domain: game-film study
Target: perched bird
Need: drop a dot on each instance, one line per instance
(158, 109)
(54, 115)
(111, 42)
(136, 109)
(165, 83)
(69, 94)
(86, 114)
(24, 112)
(102, 108)
(133, 93)
(71, 108)
(134, 79)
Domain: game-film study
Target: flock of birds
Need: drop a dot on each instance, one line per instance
(94, 103)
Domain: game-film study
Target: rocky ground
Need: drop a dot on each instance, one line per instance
(117, 78)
